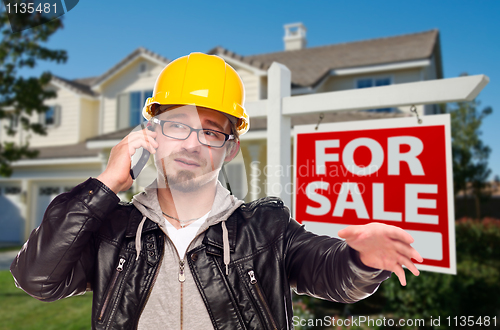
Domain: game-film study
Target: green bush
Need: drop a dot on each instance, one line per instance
(474, 291)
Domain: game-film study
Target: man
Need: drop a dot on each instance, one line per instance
(186, 254)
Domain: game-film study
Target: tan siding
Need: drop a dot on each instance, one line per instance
(109, 117)
(67, 132)
(3, 133)
(430, 71)
(251, 83)
(89, 119)
(407, 76)
(339, 83)
(130, 80)
(263, 88)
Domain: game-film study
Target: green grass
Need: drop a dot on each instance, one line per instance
(20, 311)
(10, 248)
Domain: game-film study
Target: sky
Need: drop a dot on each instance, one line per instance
(98, 34)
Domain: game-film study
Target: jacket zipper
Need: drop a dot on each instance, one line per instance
(119, 269)
(182, 278)
(253, 281)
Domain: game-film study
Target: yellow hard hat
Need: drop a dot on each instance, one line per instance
(202, 80)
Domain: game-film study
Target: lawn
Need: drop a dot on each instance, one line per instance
(20, 311)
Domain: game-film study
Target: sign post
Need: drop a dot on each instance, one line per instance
(392, 171)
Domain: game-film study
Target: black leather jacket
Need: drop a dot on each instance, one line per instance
(86, 242)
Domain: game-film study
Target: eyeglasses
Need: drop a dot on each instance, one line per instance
(180, 131)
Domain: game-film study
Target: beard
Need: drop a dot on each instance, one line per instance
(186, 181)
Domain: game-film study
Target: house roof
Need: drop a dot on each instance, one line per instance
(84, 85)
(80, 86)
(66, 151)
(136, 53)
(116, 135)
(309, 65)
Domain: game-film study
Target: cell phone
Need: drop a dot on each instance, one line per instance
(137, 168)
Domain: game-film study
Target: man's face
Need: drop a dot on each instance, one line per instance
(186, 165)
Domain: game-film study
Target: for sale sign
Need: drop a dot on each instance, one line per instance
(393, 171)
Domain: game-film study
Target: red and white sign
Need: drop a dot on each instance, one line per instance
(393, 171)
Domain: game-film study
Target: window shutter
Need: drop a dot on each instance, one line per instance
(57, 115)
(41, 119)
(123, 111)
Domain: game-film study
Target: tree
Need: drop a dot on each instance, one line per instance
(21, 97)
(470, 154)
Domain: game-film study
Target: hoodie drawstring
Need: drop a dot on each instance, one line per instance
(138, 237)
(225, 244)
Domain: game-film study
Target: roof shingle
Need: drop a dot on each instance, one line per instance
(309, 65)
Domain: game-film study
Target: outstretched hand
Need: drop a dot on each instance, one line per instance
(384, 247)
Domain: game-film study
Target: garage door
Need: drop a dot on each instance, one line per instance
(11, 221)
(45, 195)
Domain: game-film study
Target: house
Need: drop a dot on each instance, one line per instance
(89, 116)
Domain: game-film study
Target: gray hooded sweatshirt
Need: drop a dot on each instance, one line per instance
(173, 304)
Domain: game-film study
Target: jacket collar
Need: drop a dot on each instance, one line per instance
(133, 223)
(213, 237)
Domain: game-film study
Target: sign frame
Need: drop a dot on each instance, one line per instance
(432, 120)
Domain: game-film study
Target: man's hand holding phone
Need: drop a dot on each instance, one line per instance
(117, 174)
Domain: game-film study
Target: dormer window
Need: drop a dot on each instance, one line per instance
(375, 82)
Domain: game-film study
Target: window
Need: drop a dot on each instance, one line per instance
(375, 82)
(47, 191)
(371, 82)
(135, 109)
(130, 105)
(52, 117)
(12, 190)
(14, 122)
